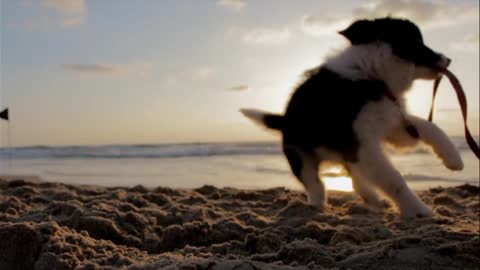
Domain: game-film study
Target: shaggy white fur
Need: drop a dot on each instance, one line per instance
(383, 121)
(377, 123)
(374, 62)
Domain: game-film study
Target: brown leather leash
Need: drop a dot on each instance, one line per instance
(462, 100)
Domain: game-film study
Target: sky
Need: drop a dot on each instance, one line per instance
(77, 72)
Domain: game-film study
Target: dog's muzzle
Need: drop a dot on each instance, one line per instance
(444, 62)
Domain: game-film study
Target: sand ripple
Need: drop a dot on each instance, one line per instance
(56, 226)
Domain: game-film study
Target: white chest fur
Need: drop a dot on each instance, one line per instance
(374, 62)
(377, 120)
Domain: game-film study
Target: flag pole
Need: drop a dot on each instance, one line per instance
(4, 114)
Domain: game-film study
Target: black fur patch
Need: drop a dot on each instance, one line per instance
(412, 131)
(273, 121)
(322, 110)
(295, 161)
(403, 36)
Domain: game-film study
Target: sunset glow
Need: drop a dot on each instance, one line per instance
(156, 72)
(342, 183)
(239, 134)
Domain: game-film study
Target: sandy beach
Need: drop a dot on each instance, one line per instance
(45, 225)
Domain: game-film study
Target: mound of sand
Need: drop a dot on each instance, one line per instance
(56, 226)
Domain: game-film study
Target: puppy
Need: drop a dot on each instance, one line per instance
(349, 107)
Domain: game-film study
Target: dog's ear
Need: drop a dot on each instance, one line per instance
(362, 31)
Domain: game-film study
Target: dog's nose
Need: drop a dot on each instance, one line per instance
(448, 61)
(444, 61)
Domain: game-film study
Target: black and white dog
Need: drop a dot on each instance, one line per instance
(349, 107)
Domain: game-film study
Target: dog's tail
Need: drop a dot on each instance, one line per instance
(266, 119)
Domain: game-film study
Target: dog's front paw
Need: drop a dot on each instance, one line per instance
(317, 203)
(419, 211)
(454, 162)
(375, 202)
(450, 156)
(380, 204)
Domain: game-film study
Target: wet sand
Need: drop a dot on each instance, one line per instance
(47, 225)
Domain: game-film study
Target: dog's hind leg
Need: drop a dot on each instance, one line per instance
(375, 166)
(305, 167)
(365, 189)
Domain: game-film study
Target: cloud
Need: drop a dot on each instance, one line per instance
(473, 39)
(317, 25)
(202, 73)
(470, 42)
(139, 69)
(47, 14)
(72, 12)
(239, 88)
(71, 21)
(66, 6)
(425, 12)
(235, 5)
(92, 68)
(267, 35)
(198, 76)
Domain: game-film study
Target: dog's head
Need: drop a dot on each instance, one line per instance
(405, 39)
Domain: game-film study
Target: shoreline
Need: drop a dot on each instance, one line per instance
(48, 225)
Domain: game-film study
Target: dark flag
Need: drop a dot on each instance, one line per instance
(4, 114)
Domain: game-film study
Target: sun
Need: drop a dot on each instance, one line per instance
(335, 178)
(342, 183)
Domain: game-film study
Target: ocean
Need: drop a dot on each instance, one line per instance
(239, 165)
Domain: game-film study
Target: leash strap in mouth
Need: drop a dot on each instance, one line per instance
(462, 100)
